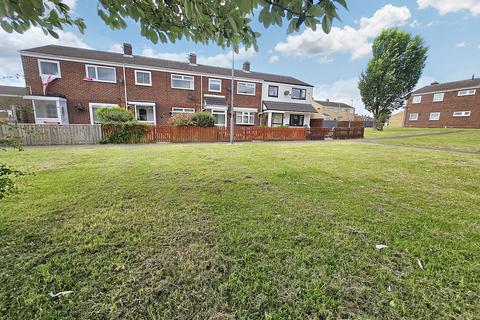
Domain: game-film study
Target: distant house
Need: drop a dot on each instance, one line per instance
(453, 104)
(396, 120)
(330, 110)
(13, 107)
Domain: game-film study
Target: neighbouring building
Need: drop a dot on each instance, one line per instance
(13, 108)
(330, 110)
(453, 104)
(396, 120)
(69, 84)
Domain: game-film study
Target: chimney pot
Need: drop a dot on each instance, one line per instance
(434, 83)
(192, 58)
(328, 100)
(246, 66)
(127, 49)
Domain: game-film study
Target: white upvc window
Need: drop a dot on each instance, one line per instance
(143, 78)
(49, 68)
(417, 99)
(438, 97)
(182, 82)
(220, 117)
(101, 73)
(413, 117)
(461, 114)
(176, 110)
(93, 106)
(214, 85)
(434, 116)
(246, 88)
(470, 92)
(299, 93)
(245, 117)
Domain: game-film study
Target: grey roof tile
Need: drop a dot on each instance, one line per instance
(285, 106)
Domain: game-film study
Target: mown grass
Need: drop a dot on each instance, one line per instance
(461, 139)
(400, 131)
(250, 231)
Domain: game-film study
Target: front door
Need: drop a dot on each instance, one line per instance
(296, 120)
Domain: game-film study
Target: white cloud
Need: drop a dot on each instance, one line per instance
(415, 24)
(347, 39)
(10, 62)
(219, 60)
(117, 47)
(460, 45)
(273, 59)
(325, 60)
(341, 91)
(70, 3)
(448, 6)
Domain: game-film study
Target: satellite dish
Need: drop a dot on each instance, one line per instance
(286, 93)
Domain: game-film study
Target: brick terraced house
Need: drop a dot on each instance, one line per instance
(454, 104)
(69, 84)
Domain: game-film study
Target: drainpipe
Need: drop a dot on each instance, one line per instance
(201, 91)
(125, 86)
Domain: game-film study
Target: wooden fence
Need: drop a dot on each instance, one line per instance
(215, 134)
(43, 135)
(335, 133)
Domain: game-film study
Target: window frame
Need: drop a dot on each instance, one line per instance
(184, 111)
(149, 77)
(210, 80)
(467, 92)
(462, 114)
(430, 116)
(183, 76)
(49, 61)
(268, 91)
(92, 104)
(416, 102)
(276, 123)
(301, 90)
(220, 112)
(249, 114)
(96, 72)
(438, 93)
(413, 114)
(300, 117)
(247, 84)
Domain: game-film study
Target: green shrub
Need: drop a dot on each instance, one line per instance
(124, 133)
(181, 120)
(203, 119)
(115, 115)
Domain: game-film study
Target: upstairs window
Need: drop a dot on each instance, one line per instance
(182, 82)
(214, 85)
(49, 68)
(101, 74)
(413, 117)
(273, 91)
(434, 116)
(461, 114)
(299, 94)
(438, 97)
(417, 99)
(143, 78)
(246, 88)
(470, 92)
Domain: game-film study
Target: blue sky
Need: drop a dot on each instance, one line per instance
(332, 63)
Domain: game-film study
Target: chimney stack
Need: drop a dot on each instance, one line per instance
(434, 83)
(127, 49)
(328, 100)
(192, 58)
(246, 66)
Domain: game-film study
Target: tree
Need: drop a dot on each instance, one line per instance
(225, 22)
(397, 64)
(115, 115)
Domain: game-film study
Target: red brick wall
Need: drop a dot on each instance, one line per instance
(79, 92)
(451, 102)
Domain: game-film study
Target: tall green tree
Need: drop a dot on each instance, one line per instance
(225, 22)
(392, 73)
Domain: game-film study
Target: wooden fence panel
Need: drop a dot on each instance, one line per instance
(45, 135)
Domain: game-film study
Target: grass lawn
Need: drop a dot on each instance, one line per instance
(466, 139)
(250, 231)
(400, 131)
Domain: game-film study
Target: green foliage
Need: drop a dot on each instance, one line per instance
(227, 23)
(123, 133)
(181, 120)
(397, 65)
(114, 115)
(7, 184)
(203, 119)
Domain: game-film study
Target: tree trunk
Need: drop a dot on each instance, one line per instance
(377, 122)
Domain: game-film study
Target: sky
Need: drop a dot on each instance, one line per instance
(332, 63)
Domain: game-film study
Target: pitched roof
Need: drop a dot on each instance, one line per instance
(456, 85)
(13, 91)
(285, 106)
(334, 104)
(70, 52)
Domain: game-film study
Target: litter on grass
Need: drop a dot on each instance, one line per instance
(380, 246)
(59, 294)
